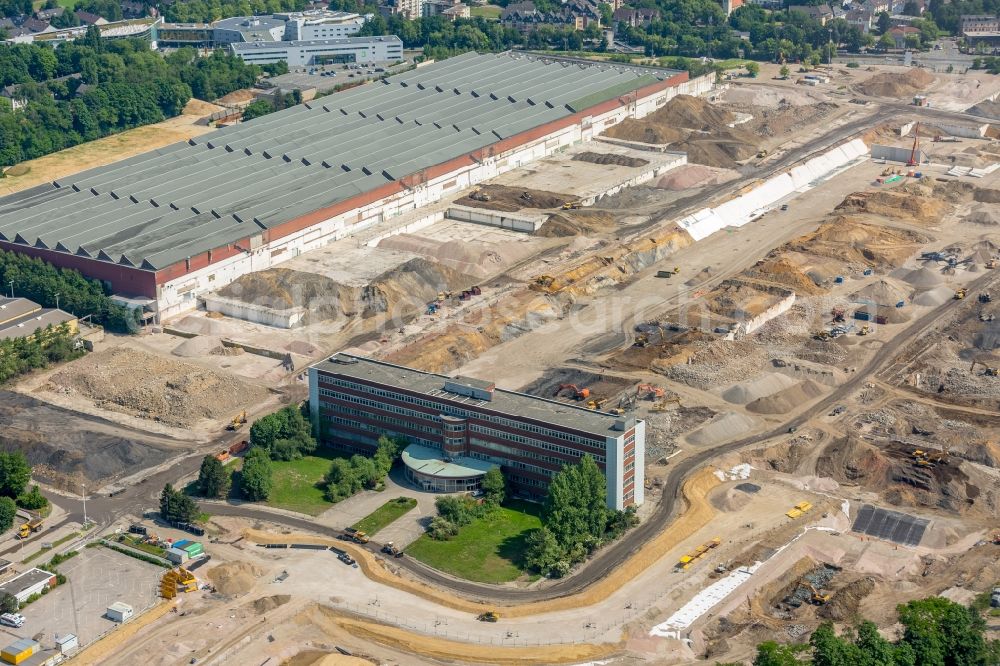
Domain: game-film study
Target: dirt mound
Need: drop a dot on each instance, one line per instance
(693, 175)
(611, 158)
(787, 399)
(730, 500)
(850, 240)
(985, 215)
(933, 297)
(200, 345)
(406, 288)
(879, 293)
(577, 223)
(898, 204)
(727, 426)
(513, 199)
(695, 126)
(898, 85)
(845, 603)
(141, 384)
(781, 270)
(986, 109)
(267, 604)
(757, 388)
(923, 278)
(234, 578)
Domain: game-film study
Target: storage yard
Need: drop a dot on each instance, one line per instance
(807, 330)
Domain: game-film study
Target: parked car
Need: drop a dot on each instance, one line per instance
(12, 620)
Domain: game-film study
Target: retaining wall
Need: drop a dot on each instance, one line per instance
(743, 209)
(527, 223)
(255, 313)
(747, 327)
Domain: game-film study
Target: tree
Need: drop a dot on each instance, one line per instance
(386, 454)
(753, 69)
(494, 486)
(256, 109)
(15, 472)
(32, 500)
(285, 435)
(341, 481)
(784, 71)
(8, 603)
(8, 511)
(176, 507)
(441, 528)
(543, 553)
(256, 478)
(213, 481)
(943, 633)
(770, 653)
(885, 42)
(575, 508)
(883, 23)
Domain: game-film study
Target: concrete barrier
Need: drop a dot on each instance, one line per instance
(520, 221)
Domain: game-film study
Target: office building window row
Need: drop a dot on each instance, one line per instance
(456, 411)
(506, 462)
(527, 453)
(521, 439)
(527, 481)
(384, 418)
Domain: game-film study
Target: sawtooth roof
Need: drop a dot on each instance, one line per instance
(158, 208)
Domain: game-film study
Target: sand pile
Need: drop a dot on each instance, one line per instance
(200, 345)
(848, 239)
(899, 85)
(879, 293)
(986, 109)
(770, 97)
(923, 278)
(695, 126)
(983, 214)
(783, 271)
(757, 388)
(454, 262)
(512, 199)
(577, 223)
(173, 392)
(694, 175)
(610, 158)
(731, 500)
(233, 578)
(267, 604)
(200, 325)
(901, 203)
(933, 297)
(725, 427)
(787, 399)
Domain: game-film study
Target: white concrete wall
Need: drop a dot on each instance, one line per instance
(289, 318)
(512, 221)
(966, 131)
(743, 209)
(748, 327)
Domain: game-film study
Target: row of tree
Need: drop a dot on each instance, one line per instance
(936, 632)
(15, 473)
(575, 520)
(45, 284)
(284, 435)
(19, 356)
(128, 86)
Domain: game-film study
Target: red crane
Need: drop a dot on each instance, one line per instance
(916, 144)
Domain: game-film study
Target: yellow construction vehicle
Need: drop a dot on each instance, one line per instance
(488, 616)
(596, 404)
(988, 371)
(761, 154)
(544, 282)
(238, 421)
(616, 410)
(817, 598)
(960, 294)
(992, 263)
(33, 525)
(641, 340)
(865, 330)
(572, 205)
(661, 405)
(479, 195)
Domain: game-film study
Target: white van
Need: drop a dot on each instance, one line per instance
(12, 619)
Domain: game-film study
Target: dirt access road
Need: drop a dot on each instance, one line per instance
(670, 503)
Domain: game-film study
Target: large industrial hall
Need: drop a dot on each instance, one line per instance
(170, 224)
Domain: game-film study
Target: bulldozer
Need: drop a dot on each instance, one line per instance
(596, 404)
(960, 294)
(238, 421)
(488, 616)
(480, 195)
(641, 340)
(578, 393)
(865, 330)
(661, 405)
(572, 205)
(546, 282)
(991, 264)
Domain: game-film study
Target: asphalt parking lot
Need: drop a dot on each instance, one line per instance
(97, 577)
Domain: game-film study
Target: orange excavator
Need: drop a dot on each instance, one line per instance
(578, 393)
(650, 391)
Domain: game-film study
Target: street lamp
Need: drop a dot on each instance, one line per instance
(57, 300)
(83, 494)
(12, 289)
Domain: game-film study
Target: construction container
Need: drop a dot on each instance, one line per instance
(177, 556)
(182, 543)
(839, 279)
(20, 650)
(238, 447)
(881, 319)
(119, 612)
(67, 643)
(194, 549)
(862, 315)
(900, 304)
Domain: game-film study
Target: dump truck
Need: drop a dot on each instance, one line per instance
(33, 525)
(357, 536)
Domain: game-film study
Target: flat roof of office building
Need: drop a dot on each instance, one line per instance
(156, 209)
(246, 47)
(516, 405)
(430, 461)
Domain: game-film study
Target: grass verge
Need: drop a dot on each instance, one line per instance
(55, 544)
(298, 484)
(487, 550)
(385, 514)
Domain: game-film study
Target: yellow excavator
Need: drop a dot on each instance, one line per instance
(238, 421)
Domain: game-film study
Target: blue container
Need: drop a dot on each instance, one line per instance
(862, 315)
(839, 279)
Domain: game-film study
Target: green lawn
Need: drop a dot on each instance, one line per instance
(487, 550)
(67, 4)
(138, 544)
(298, 484)
(486, 11)
(385, 514)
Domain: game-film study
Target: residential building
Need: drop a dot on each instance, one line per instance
(363, 50)
(901, 32)
(729, 6)
(49, 14)
(284, 27)
(525, 16)
(408, 9)
(460, 427)
(821, 13)
(977, 30)
(635, 18)
(86, 18)
(457, 11)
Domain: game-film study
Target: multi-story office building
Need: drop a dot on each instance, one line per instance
(363, 50)
(458, 428)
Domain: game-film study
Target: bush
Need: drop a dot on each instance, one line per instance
(442, 529)
(32, 500)
(853, 65)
